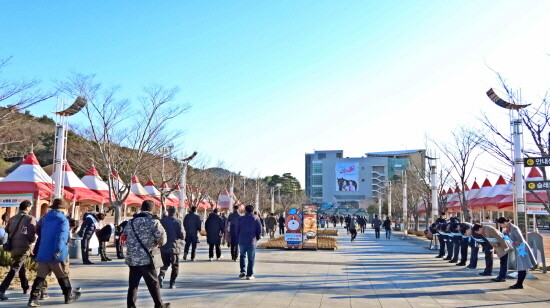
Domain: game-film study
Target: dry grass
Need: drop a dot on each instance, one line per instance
(323, 242)
(327, 232)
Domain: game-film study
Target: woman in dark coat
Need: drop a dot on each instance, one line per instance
(214, 230)
(525, 260)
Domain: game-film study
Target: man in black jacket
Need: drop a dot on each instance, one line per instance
(214, 230)
(170, 251)
(192, 225)
(233, 221)
(91, 222)
(103, 236)
(282, 223)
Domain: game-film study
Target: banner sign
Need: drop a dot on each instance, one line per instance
(310, 227)
(13, 200)
(347, 176)
(537, 162)
(536, 210)
(293, 230)
(537, 185)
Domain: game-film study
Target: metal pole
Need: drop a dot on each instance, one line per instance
(519, 196)
(258, 198)
(272, 194)
(389, 199)
(405, 205)
(279, 193)
(59, 159)
(183, 190)
(244, 188)
(379, 203)
(435, 201)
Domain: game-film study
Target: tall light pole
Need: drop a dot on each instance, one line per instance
(257, 197)
(272, 197)
(183, 184)
(405, 205)
(432, 161)
(279, 185)
(244, 187)
(389, 199)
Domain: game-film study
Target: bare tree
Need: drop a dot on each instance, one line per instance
(536, 121)
(124, 137)
(461, 153)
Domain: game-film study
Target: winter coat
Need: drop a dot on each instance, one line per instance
(174, 235)
(233, 221)
(352, 223)
(104, 234)
(387, 225)
(192, 225)
(270, 223)
(376, 223)
(524, 255)
(249, 230)
(282, 222)
(21, 231)
(150, 232)
(53, 231)
(214, 229)
(495, 238)
(88, 226)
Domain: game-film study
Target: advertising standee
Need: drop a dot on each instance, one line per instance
(293, 230)
(310, 226)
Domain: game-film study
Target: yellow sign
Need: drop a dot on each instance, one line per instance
(530, 162)
(531, 186)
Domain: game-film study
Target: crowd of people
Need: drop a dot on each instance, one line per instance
(456, 238)
(151, 244)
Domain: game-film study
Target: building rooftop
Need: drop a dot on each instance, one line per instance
(391, 153)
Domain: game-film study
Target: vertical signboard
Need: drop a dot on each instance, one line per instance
(310, 226)
(293, 230)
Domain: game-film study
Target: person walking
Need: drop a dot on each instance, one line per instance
(525, 259)
(192, 226)
(282, 223)
(214, 232)
(376, 223)
(53, 254)
(347, 222)
(87, 230)
(103, 236)
(387, 227)
(224, 220)
(144, 235)
(249, 230)
(21, 231)
(271, 224)
(5, 217)
(233, 221)
(352, 227)
(170, 251)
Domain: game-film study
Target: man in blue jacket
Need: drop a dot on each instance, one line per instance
(233, 221)
(249, 230)
(52, 255)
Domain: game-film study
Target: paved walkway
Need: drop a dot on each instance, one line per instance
(367, 273)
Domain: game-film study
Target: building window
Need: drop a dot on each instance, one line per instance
(317, 192)
(338, 155)
(316, 180)
(317, 168)
(362, 180)
(322, 155)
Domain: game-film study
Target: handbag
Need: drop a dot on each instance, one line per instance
(155, 262)
(9, 245)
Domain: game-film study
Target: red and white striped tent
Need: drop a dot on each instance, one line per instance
(152, 190)
(453, 205)
(225, 200)
(75, 189)
(93, 181)
(138, 190)
(477, 203)
(28, 178)
(119, 184)
(498, 192)
(474, 191)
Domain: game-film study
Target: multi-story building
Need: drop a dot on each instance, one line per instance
(332, 178)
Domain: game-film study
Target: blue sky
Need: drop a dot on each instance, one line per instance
(271, 80)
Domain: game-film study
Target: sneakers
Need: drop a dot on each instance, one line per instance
(486, 274)
(3, 297)
(221, 257)
(73, 297)
(172, 286)
(250, 277)
(33, 303)
(210, 259)
(498, 279)
(242, 276)
(516, 286)
(44, 295)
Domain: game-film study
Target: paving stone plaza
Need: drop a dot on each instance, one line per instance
(367, 273)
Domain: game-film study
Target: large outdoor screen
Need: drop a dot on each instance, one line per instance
(347, 176)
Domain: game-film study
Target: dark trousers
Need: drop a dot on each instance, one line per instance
(211, 250)
(503, 267)
(450, 249)
(85, 246)
(353, 232)
(149, 274)
(377, 232)
(362, 228)
(464, 250)
(474, 256)
(169, 259)
(17, 266)
(521, 277)
(190, 241)
(441, 245)
(388, 233)
(234, 251)
(250, 253)
(103, 251)
(488, 250)
(281, 230)
(456, 249)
